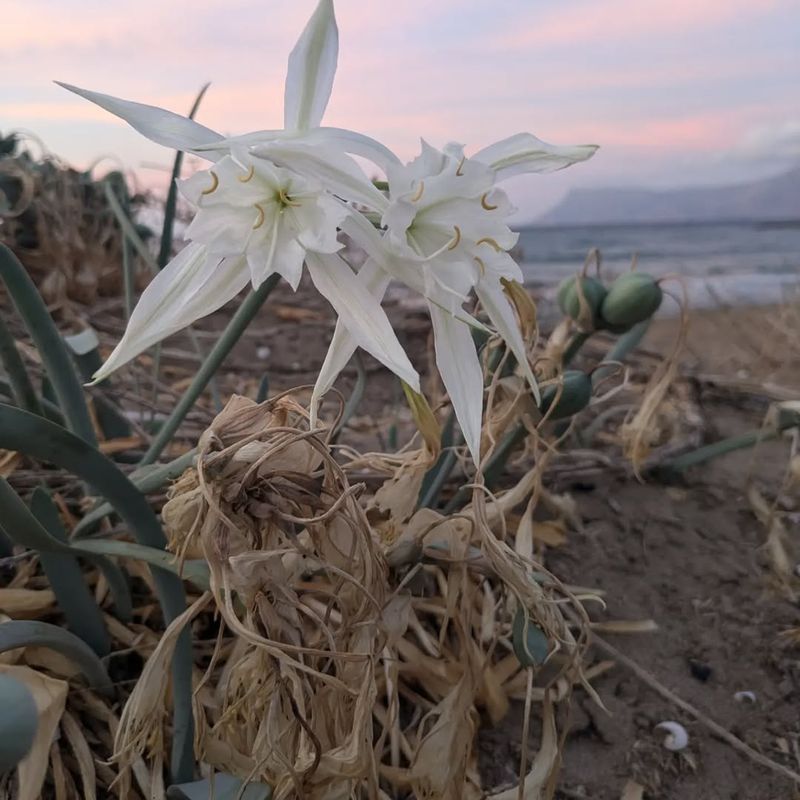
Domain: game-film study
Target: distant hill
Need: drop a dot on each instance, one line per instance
(769, 199)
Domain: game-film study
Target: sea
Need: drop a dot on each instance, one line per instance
(722, 264)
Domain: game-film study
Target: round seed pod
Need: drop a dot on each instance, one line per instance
(570, 398)
(632, 298)
(569, 300)
(18, 721)
(528, 640)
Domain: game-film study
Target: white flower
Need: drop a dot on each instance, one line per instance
(272, 201)
(446, 234)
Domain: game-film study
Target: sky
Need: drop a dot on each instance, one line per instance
(675, 92)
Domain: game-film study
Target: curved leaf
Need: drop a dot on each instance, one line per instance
(21, 387)
(48, 341)
(46, 441)
(29, 633)
(63, 571)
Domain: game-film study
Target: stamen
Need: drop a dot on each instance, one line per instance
(286, 200)
(214, 183)
(260, 218)
(491, 242)
(481, 266)
(486, 204)
(418, 193)
(456, 240)
(249, 175)
(460, 164)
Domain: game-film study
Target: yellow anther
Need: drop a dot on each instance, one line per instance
(260, 218)
(491, 242)
(285, 200)
(249, 175)
(460, 164)
(456, 238)
(418, 193)
(481, 266)
(214, 183)
(486, 204)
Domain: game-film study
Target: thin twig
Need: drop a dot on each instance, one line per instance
(714, 727)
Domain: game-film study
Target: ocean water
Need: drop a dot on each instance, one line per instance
(723, 264)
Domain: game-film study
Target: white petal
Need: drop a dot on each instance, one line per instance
(523, 152)
(460, 368)
(341, 139)
(355, 143)
(161, 126)
(343, 345)
(500, 312)
(189, 287)
(336, 171)
(361, 313)
(312, 65)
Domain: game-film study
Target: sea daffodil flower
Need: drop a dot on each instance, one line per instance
(447, 234)
(266, 211)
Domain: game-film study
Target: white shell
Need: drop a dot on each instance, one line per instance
(677, 738)
(740, 697)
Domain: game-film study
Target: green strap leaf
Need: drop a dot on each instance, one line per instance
(63, 571)
(21, 387)
(48, 341)
(221, 787)
(43, 440)
(28, 633)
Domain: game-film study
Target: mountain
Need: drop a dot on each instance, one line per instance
(764, 200)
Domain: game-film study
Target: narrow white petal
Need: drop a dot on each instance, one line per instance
(343, 344)
(312, 65)
(161, 126)
(341, 139)
(336, 171)
(361, 313)
(523, 152)
(356, 144)
(460, 368)
(189, 287)
(500, 312)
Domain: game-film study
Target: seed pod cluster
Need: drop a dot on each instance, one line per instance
(631, 298)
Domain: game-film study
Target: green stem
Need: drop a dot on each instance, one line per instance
(578, 340)
(236, 327)
(622, 348)
(709, 451)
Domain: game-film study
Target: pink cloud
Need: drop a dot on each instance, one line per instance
(613, 20)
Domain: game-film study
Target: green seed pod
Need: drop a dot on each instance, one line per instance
(528, 640)
(569, 300)
(632, 298)
(18, 721)
(572, 397)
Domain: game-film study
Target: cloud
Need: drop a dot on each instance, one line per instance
(573, 23)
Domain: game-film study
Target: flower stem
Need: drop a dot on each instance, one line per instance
(236, 327)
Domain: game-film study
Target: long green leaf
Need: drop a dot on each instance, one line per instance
(21, 386)
(48, 341)
(28, 633)
(228, 338)
(148, 478)
(220, 787)
(63, 571)
(195, 571)
(50, 410)
(40, 439)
